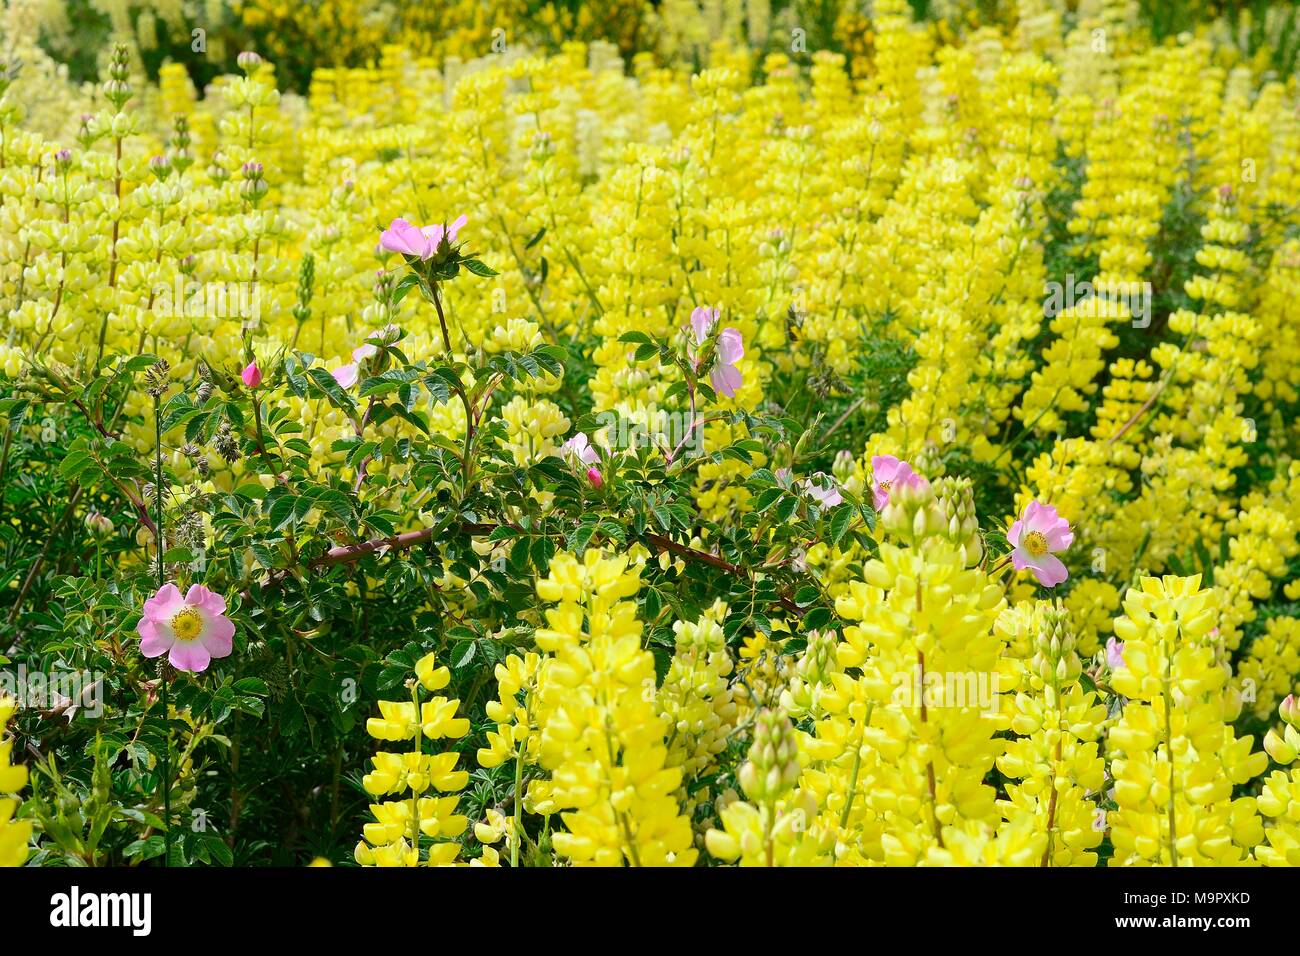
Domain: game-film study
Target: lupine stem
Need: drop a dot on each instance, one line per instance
(419, 749)
(857, 768)
(519, 803)
(929, 764)
(1051, 800)
(1169, 750)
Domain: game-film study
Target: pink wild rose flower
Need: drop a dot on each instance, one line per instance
(823, 490)
(347, 375)
(434, 233)
(405, 238)
(580, 449)
(411, 240)
(191, 630)
(724, 377)
(889, 472)
(702, 322)
(252, 375)
(1035, 538)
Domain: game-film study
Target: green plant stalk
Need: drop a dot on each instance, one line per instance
(261, 440)
(442, 319)
(519, 803)
(4, 461)
(1169, 750)
(419, 749)
(857, 768)
(167, 736)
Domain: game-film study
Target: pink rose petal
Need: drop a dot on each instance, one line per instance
(189, 656)
(155, 640)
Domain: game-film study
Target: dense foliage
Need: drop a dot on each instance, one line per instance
(864, 442)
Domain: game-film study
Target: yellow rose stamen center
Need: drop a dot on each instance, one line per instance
(186, 624)
(884, 486)
(1035, 543)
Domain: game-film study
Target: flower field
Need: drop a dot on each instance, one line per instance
(649, 434)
